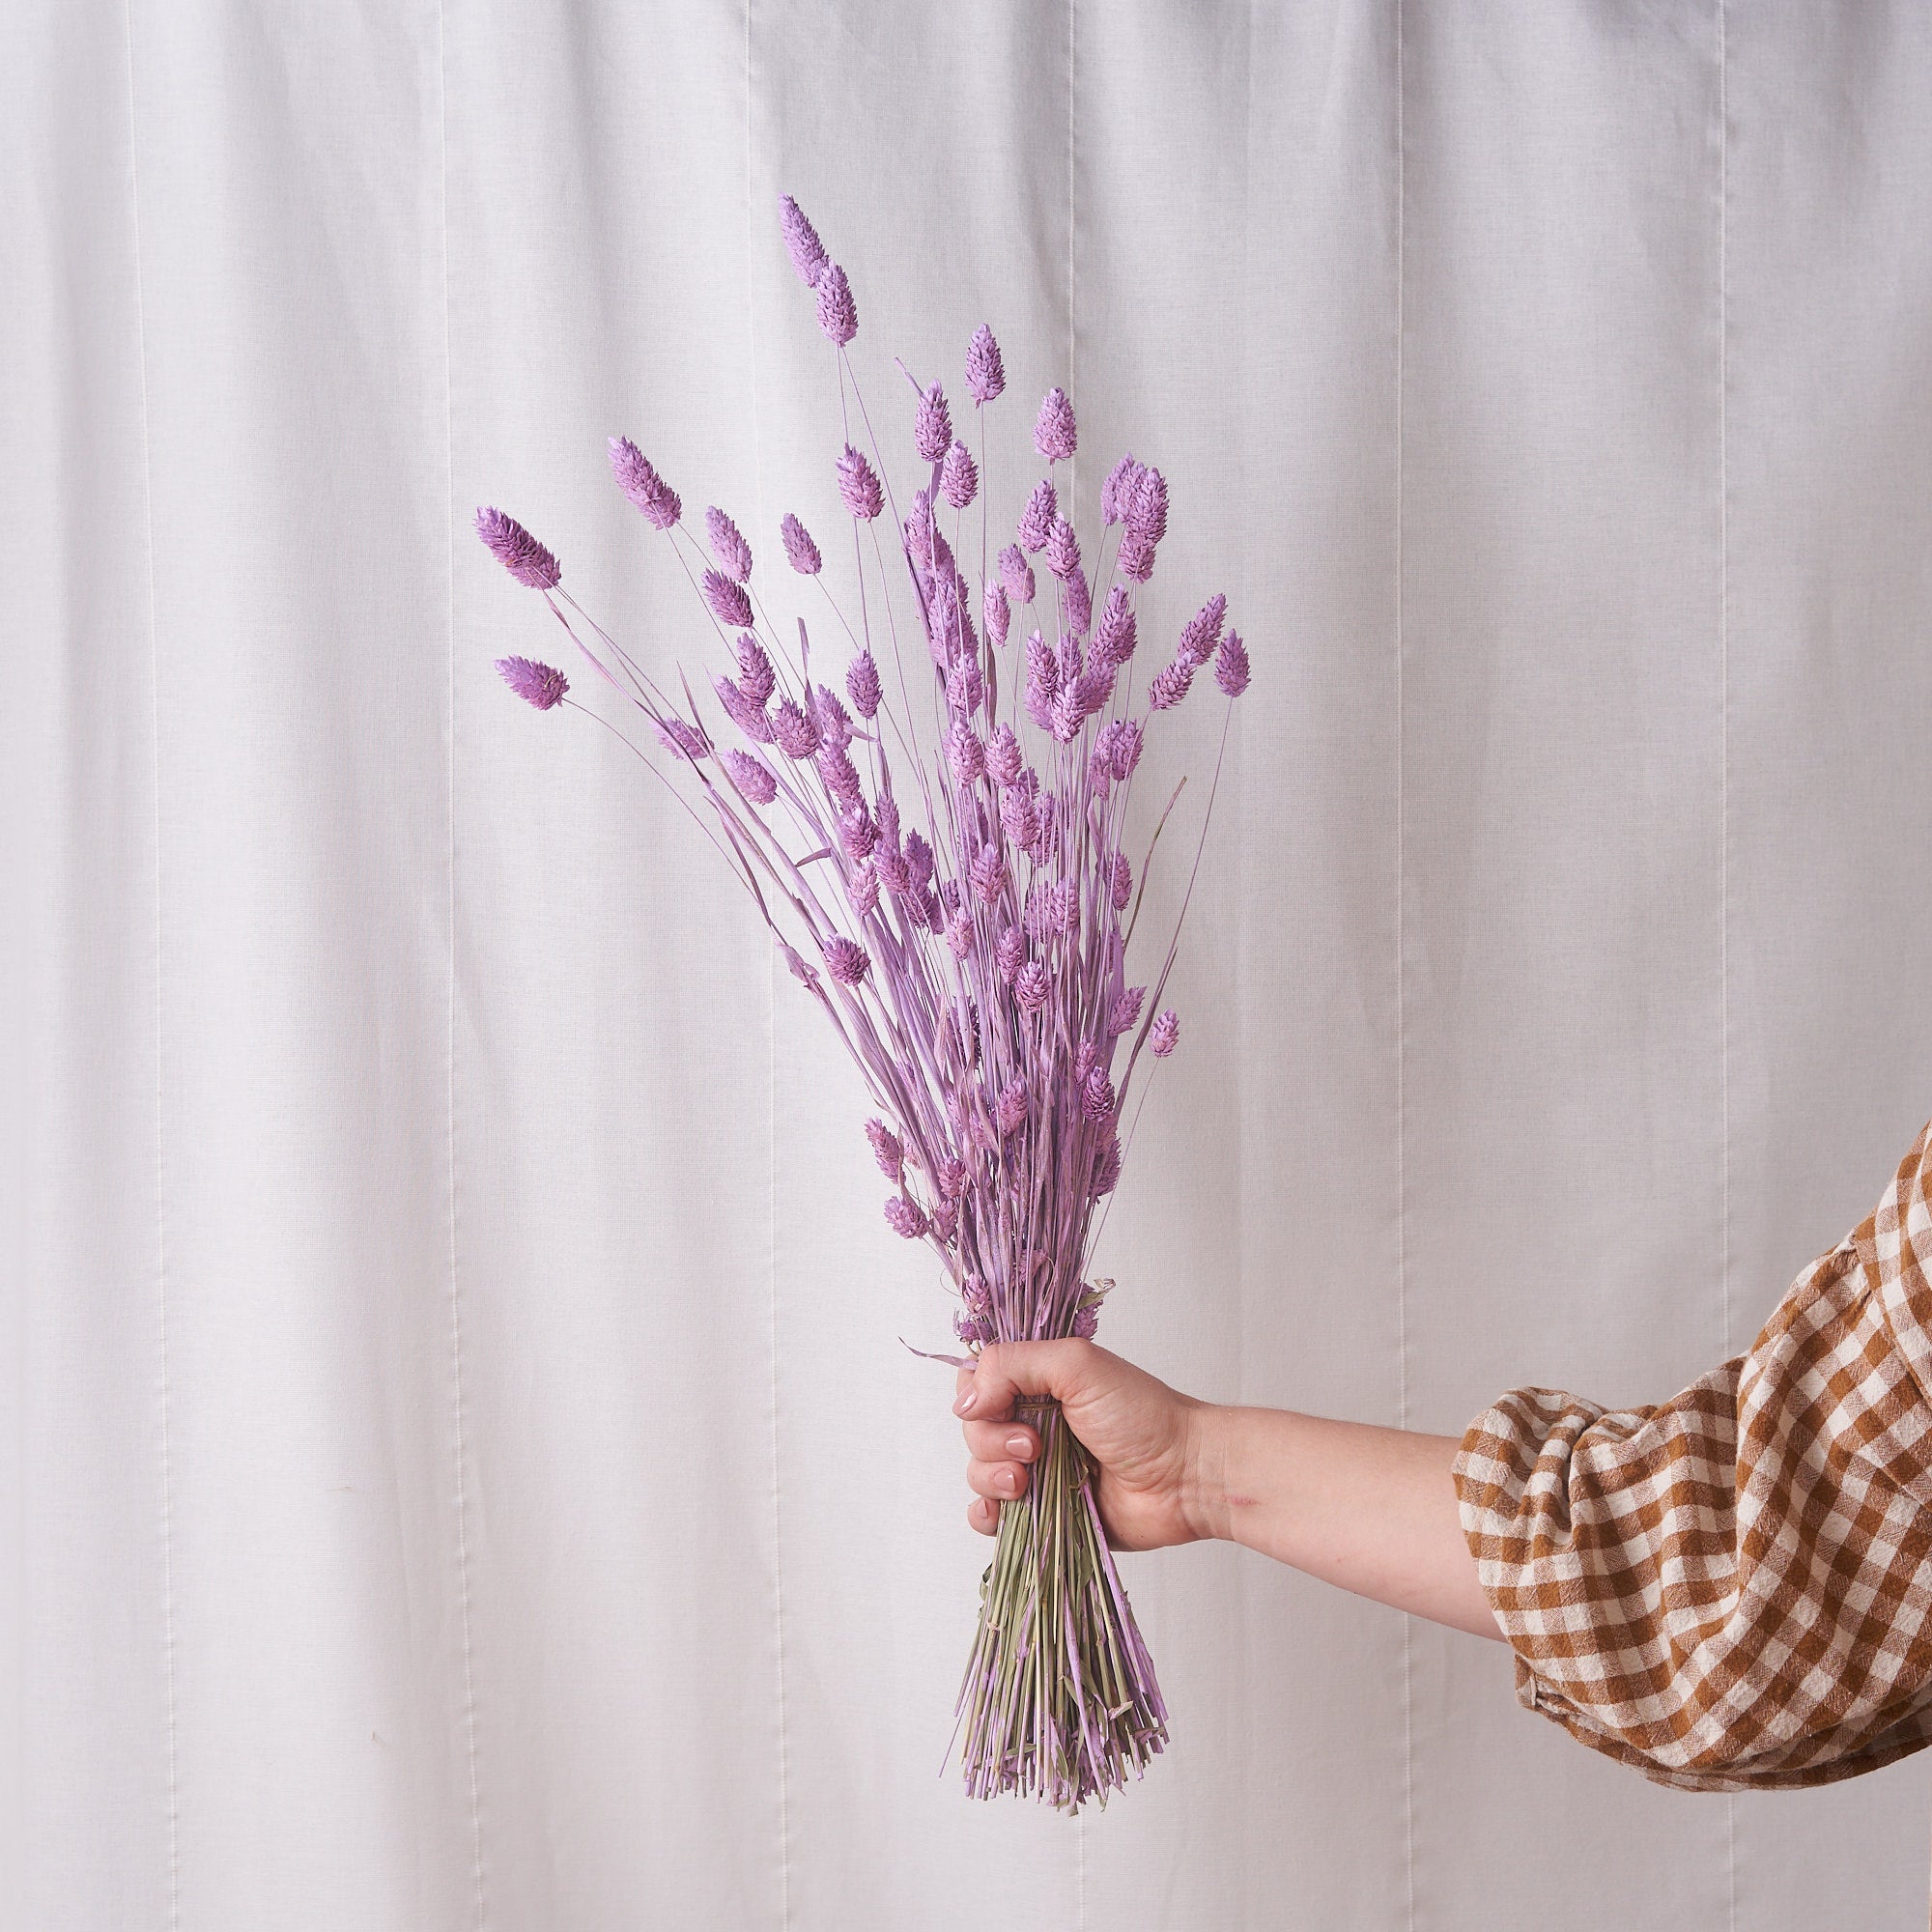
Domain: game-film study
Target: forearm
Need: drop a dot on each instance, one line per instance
(1372, 1510)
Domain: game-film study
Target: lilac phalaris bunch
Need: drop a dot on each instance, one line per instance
(939, 846)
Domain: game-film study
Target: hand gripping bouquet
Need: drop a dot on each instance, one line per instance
(937, 847)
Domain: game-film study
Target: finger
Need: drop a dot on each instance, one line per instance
(1001, 1481)
(1006, 1370)
(994, 1441)
(985, 1516)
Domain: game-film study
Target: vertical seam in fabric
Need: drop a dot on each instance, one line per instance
(771, 1108)
(1724, 773)
(479, 1891)
(168, 1627)
(1401, 975)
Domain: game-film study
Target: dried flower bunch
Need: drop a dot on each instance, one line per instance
(956, 898)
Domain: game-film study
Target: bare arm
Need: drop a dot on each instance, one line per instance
(1372, 1510)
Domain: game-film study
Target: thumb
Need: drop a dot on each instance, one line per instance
(1063, 1369)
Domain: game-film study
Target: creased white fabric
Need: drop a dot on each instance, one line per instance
(459, 1466)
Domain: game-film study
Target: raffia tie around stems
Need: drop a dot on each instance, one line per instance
(1059, 1700)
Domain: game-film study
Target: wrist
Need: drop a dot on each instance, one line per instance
(1205, 1469)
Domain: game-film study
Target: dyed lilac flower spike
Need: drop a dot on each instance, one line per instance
(800, 549)
(1054, 435)
(516, 551)
(985, 373)
(655, 499)
(838, 312)
(539, 684)
(932, 794)
(801, 240)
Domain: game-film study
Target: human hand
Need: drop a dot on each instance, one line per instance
(1145, 1437)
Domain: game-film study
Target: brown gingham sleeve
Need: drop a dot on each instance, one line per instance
(1732, 1588)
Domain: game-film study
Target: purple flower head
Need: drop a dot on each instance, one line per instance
(959, 933)
(801, 240)
(862, 685)
(1032, 987)
(905, 1217)
(945, 1219)
(1037, 520)
(1010, 1109)
(1096, 1101)
(1076, 604)
(755, 677)
(970, 1328)
(998, 614)
(964, 752)
(748, 717)
(1106, 1177)
(1170, 686)
(859, 485)
(965, 686)
(1003, 756)
(1122, 886)
(861, 888)
(888, 809)
(1147, 511)
(988, 873)
(1016, 574)
(729, 603)
(1202, 633)
(1010, 954)
(960, 479)
(1086, 1057)
(1128, 742)
(1165, 1033)
(752, 775)
(857, 833)
(1042, 666)
(834, 721)
(1053, 433)
(1061, 548)
(728, 544)
(932, 425)
(919, 857)
(887, 1150)
(538, 684)
(516, 550)
(1093, 688)
(800, 549)
(841, 777)
(677, 735)
(951, 1177)
(656, 500)
(1123, 1015)
(796, 733)
(985, 373)
(1117, 636)
(1017, 814)
(1231, 673)
(838, 312)
(1117, 491)
(847, 961)
(1064, 716)
(973, 1292)
(1086, 1318)
(918, 528)
(1135, 556)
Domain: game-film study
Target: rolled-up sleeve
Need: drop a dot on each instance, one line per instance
(1734, 1588)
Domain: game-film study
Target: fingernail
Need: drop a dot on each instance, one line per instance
(1008, 1480)
(962, 1404)
(1018, 1445)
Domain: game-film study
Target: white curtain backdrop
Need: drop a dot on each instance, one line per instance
(459, 1469)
